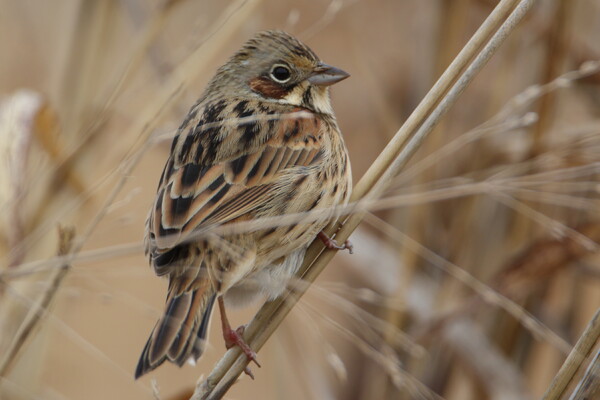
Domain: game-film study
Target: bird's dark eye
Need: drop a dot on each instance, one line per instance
(280, 73)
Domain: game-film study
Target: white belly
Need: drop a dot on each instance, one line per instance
(270, 281)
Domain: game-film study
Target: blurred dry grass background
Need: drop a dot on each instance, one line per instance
(502, 200)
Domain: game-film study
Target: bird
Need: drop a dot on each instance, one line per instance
(261, 142)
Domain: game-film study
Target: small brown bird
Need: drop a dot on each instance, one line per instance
(262, 141)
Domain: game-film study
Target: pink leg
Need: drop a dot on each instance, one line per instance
(234, 337)
(331, 244)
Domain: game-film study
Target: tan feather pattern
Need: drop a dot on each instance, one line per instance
(251, 147)
(191, 192)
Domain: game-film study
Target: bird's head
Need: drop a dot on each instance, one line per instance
(275, 66)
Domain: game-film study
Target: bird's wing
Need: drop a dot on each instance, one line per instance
(217, 174)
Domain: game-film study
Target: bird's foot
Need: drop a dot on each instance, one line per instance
(234, 338)
(331, 244)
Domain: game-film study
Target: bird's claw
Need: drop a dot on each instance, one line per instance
(332, 244)
(234, 338)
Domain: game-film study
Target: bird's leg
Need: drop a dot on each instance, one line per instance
(331, 244)
(234, 337)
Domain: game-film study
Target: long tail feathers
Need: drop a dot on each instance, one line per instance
(181, 333)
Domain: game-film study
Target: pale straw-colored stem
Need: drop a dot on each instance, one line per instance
(39, 307)
(222, 30)
(403, 145)
(589, 339)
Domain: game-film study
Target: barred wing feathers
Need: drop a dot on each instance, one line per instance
(221, 170)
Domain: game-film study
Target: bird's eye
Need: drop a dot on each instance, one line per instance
(280, 73)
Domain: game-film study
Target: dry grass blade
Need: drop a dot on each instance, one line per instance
(589, 386)
(485, 292)
(38, 311)
(470, 60)
(171, 90)
(572, 364)
(77, 128)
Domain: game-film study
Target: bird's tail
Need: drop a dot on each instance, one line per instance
(181, 333)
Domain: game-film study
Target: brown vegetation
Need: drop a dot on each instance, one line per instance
(499, 204)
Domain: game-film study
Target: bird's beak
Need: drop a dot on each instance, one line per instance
(326, 75)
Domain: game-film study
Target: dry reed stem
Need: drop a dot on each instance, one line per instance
(556, 53)
(221, 31)
(500, 23)
(37, 312)
(520, 276)
(141, 127)
(589, 386)
(484, 292)
(155, 108)
(145, 41)
(72, 96)
(505, 120)
(589, 338)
